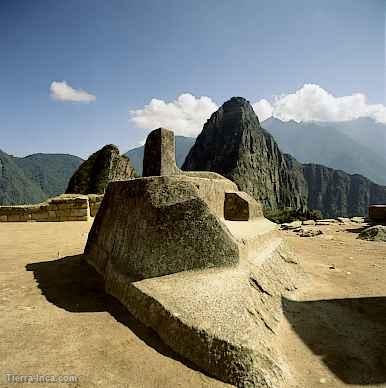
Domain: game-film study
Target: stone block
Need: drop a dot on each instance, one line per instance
(14, 218)
(240, 206)
(164, 227)
(79, 212)
(377, 213)
(41, 216)
(51, 214)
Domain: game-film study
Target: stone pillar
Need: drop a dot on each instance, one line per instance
(160, 157)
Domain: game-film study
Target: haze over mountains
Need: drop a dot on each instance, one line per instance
(343, 146)
(318, 165)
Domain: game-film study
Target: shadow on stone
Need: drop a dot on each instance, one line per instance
(357, 230)
(71, 284)
(348, 334)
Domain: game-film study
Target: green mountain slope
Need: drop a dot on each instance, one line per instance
(51, 172)
(15, 186)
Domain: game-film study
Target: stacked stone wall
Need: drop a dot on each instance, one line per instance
(63, 208)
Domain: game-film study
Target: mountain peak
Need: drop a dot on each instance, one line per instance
(236, 101)
(233, 144)
(236, 115)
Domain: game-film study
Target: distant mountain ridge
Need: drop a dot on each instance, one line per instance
(329, 145)
(15, 186)
(334, 192)
(51, 171)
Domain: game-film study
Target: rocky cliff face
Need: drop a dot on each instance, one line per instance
(336, 193)
(102, 167)
(233, 144)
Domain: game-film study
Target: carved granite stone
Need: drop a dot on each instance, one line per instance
(160, 156)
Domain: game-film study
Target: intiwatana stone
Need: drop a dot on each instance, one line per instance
(211, 288)
(101, 168)
(232, 143)
(374, 233)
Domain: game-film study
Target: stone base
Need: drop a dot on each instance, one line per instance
(224, 320)
(173, 250)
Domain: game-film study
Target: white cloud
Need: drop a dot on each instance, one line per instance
(313, 103)
(185, 116)
(263, 109)
(62, 91)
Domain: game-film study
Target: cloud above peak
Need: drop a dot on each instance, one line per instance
(313, 103)
(62, 91)
(187, 114)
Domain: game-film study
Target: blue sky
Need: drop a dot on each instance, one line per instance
(127, 52)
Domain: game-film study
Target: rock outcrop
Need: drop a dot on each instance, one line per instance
(102, 167)
(233, 144)
(374, 233)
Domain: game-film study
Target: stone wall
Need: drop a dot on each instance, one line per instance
(66, 207)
